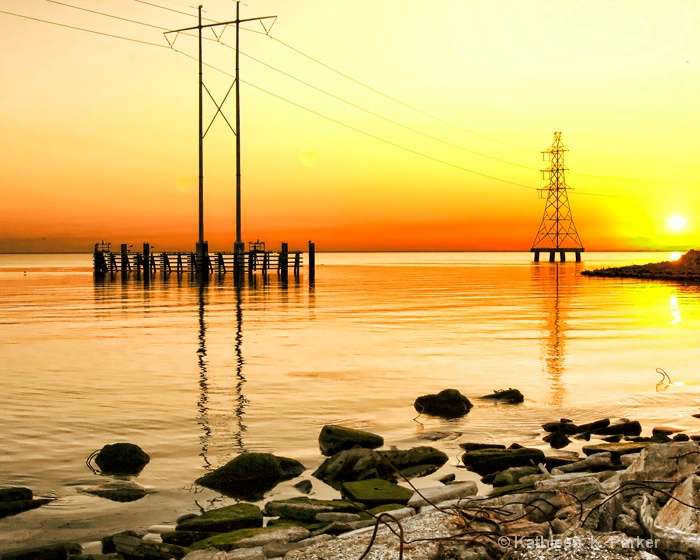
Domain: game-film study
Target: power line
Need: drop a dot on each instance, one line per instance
(374, 114)
(107, 15)
(369, 134)
(168, 9)
(84, 29)
(392, 98)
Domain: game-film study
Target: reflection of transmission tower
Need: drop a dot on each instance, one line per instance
(557, 231)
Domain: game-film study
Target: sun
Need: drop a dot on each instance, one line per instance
(676, 223)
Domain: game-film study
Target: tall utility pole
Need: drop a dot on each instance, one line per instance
(557, 233)
(238, 246)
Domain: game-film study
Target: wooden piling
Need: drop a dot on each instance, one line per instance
(312, 261)
(283, 264)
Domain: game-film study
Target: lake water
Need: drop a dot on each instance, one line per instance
(196, 375)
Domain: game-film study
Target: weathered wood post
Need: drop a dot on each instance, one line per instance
(284, 261)
(312, 261)
(124, 251)
(146, 262)
(297, 263)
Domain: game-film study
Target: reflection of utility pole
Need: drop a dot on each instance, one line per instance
(239, 247)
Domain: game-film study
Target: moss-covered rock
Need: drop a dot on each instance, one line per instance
(513, 475)
(247, 538)
(225, 519)
(250, 475)
(376, 492)
(306, 509)
(616, 449)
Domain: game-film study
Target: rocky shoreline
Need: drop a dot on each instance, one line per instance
(686, 268)
(627, 496)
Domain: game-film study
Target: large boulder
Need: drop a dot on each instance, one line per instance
(334, 439)
(360, 464)
(449, 403)
(250, 475)
(121, 459)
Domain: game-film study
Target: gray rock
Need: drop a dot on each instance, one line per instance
(59, 551)
(118, 491)
(334, 439)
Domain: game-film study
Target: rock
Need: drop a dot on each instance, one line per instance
(185, 538)
(250, 475)
(121, 459)
(625, 428)
(376, 492)
(17, 499)
(108, 546)
(677, 525)
(118, 491)
(240, 554)
(596, 425)
(668, 430)
(361, 464)
(486, 461)
(134, 547)
(563, 426)
(513, 475)
(507, 396)
(15, 494)
(59, 551)
(449, 403)
(304, 486)
(555, 461)
(252, 538)
(616, 450)
(225, 519)
(598, 462)
(306, 509)
(557, 440)
(334, 439)
(681, 437)
(438, 494)
(477, 446)
(670, 461)
(279, 549)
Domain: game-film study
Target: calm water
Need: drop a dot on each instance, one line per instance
(197, 375)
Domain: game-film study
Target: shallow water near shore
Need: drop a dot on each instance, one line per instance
(197, 374)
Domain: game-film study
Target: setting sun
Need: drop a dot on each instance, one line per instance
(676, 223)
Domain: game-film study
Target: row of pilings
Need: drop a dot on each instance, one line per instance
(201, 263)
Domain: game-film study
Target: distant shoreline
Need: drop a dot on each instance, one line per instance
(686, 268)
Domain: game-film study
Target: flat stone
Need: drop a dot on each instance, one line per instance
(306, 509)
(597, 461)
(486, 461)
(225, 519)
(15, 493)
(615, 449)
(439, 494)
(376, 492)
(668, 430)
(625, 428)
(252, 538)
(118, 491)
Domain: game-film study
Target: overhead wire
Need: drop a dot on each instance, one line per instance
(74, 27)
(317, 113)
(375, 114)
(369, 134)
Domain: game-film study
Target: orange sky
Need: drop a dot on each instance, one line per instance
(98, 134)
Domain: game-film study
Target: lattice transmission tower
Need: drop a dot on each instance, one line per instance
(557, 233)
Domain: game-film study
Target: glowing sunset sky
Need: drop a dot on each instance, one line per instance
(98, 135)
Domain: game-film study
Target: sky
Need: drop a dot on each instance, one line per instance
(365, 125)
